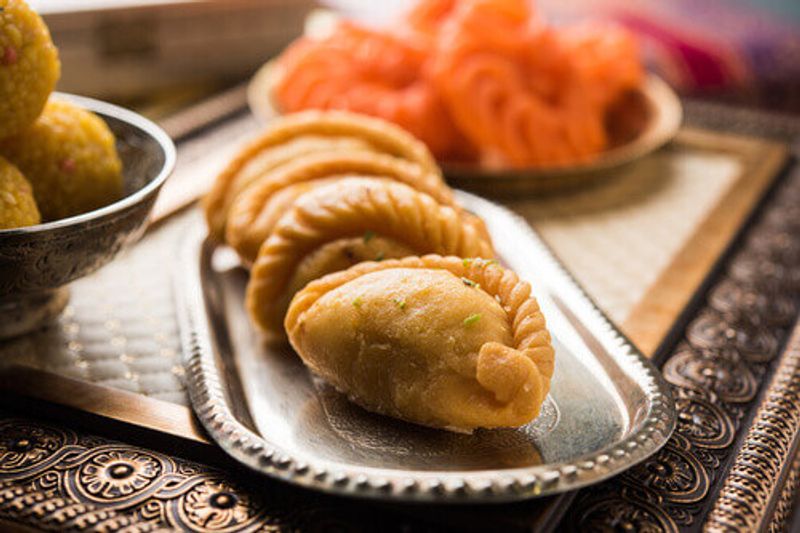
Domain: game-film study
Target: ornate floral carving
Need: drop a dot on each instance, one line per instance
(24, 445)
(624, 515)
(118, 473)
(54, 479)
(704, 422)
(721, 372)
(676, 472)
(215, 505)
(746, 335)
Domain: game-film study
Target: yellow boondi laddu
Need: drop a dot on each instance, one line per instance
(17, 206)
(70, 158)
(29, 66)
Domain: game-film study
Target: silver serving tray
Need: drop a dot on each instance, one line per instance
(607, 410)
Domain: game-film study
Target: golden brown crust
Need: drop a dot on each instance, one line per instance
(350, 208)
(384, 136)
(248, 226)
(531, 338)
(264, 162)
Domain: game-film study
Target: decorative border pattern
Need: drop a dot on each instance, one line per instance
(208, 396)
(55, 479)
(716, 372)
(785, 507)
(767, 451)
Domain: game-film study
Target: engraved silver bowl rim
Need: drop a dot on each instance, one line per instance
(211, 402)
(120, 113)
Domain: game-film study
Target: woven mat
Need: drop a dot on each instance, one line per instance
(616, 237)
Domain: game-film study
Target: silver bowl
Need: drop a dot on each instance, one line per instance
(37, 262)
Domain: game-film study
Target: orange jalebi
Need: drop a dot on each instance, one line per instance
(482, 79)
(370, 72)
(513, 88)
(425, 19)
(608, 57)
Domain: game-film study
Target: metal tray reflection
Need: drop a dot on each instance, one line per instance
(608, 408)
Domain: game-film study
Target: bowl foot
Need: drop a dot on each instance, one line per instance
(27, 313)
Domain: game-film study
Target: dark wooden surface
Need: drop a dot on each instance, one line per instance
(58, 478)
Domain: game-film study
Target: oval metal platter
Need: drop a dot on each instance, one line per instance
(608, 408)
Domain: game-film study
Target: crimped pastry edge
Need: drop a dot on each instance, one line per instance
(244, 236)
(317, 218)
(528, 326)
(386, 135)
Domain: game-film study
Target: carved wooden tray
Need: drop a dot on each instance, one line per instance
(608, 408)
(703, 478)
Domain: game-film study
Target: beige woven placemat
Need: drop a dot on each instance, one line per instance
(616, 237)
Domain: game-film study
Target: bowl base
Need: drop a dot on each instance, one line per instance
(24, 314)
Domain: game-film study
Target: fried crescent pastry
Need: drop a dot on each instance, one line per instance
(353, 208)
(440, 341)
(253, 214)
(379, 135)
(263, 162)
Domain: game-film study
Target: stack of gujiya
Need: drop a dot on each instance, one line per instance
(385, 286)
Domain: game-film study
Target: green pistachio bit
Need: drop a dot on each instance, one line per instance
(368, 235)
(469, 282)
(379, 257)
(471, 319)
(399, 302)
(466, 261)
(357, 302)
